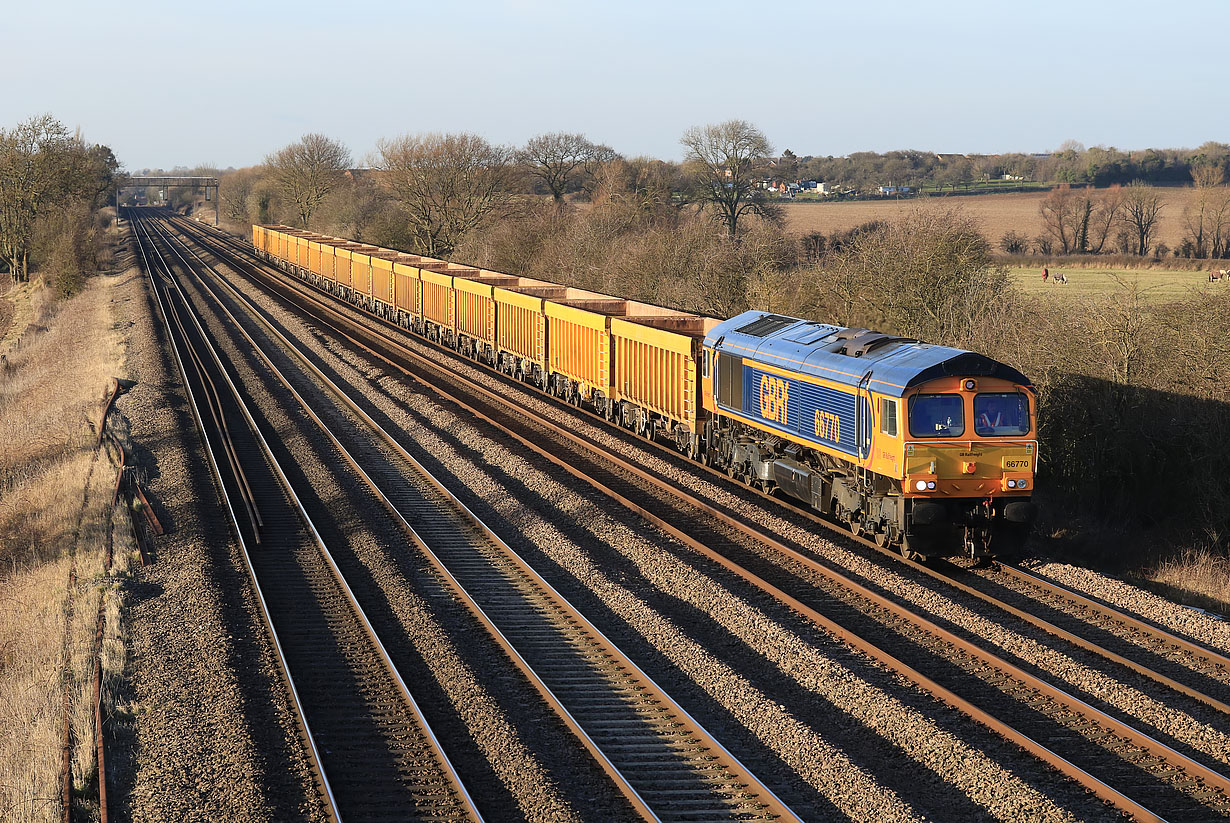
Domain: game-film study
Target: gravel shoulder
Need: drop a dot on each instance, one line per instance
(1204, 627)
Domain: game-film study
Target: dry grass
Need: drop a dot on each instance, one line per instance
(1199, 576)
(998, 213)
(51, 386)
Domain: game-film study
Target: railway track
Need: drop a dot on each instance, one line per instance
(374, 755)
(1212, 794)
(660, 758)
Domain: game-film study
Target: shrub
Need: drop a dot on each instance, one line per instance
(1014, 243)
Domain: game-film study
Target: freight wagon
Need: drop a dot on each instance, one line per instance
(926, 448)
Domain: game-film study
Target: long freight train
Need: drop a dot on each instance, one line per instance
(927, 448)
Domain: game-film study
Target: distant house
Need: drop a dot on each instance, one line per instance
(891, 190)
(824, 188)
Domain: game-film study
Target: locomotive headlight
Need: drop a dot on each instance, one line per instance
(1012, 484)
(1020, 484)
(931, 485)
(970, 385)
(921, 485)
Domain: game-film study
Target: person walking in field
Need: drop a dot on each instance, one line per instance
(1045, 274)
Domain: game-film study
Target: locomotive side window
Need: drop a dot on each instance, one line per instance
(888, 416)
(704, 367)
(1001, 415)
(937, 415)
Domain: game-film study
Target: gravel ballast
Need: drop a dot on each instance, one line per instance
(212, 736)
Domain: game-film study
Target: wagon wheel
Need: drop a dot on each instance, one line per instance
(881, 538)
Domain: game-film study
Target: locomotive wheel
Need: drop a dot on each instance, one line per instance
(909, 550)
(881, 538)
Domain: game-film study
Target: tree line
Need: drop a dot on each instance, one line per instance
(429, 192)
(1124, 219)
(1071, 163)
(52, 183)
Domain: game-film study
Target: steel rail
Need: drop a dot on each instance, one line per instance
(1090, 713)
(300, 715)
(436, 752)
(1118, 615)
(756, 792)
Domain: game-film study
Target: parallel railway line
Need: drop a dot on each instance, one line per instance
(373, 752)
(1215, 785)
(662, 760)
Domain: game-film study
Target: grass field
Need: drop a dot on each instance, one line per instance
(998, 213)
(1158, 285)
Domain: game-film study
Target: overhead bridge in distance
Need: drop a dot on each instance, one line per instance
(171, 182)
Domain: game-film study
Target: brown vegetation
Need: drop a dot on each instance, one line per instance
(54, 517)
(51, 181)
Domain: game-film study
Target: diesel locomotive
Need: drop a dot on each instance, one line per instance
(925, 448)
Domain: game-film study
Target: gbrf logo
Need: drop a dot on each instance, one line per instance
(774, 393)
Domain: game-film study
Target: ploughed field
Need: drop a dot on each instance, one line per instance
(998, 213)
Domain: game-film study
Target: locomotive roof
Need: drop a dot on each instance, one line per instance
(888, 364)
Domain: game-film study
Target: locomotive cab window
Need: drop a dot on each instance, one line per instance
(704, 364)
(888, 416)
(937, 415)
(1001, 415)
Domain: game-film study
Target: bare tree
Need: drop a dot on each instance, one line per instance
(1141, 207)
(929, 274)
(447, 184)
(308, 170)
(40, 162)
(1108, 207)
(1063, 217)
(235, 190)
(1080, 221)
(557, 159)
(1206, 219)
(724, 162)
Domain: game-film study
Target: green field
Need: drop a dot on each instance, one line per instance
(1159, 285)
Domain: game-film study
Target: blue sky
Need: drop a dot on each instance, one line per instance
(227, 82)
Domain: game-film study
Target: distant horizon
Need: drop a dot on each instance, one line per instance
(361, 167)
